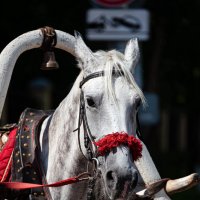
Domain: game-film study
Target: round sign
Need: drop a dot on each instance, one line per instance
(112, 3)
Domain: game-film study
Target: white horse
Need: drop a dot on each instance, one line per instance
(111, 102)
(111, 106)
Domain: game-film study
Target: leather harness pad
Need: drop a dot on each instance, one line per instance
(25, 166)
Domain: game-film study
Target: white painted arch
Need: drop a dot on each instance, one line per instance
(25, 42)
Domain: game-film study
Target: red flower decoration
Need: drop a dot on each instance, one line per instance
(113, 140)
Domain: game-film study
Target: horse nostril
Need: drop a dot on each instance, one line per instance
(121, 181)
(110, 176)
(111, 179)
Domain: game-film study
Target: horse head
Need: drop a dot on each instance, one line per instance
(111, 102)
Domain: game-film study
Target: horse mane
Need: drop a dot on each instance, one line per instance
(114, 60)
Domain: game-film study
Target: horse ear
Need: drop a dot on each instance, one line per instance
(82, 52)
(132, 53)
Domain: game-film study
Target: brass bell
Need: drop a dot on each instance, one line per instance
(49, 62)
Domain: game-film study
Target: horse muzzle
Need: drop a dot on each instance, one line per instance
(119, 173)
(120, 183)
(116, 153)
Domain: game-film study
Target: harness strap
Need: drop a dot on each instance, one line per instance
(79, 123)
(99, 74)
(91, 76)
(25, 166)
(87, 133)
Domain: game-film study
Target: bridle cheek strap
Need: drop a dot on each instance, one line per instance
(110, 141)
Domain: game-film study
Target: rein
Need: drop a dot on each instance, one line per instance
(23, 186)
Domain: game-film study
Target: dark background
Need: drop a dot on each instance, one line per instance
(171, 69)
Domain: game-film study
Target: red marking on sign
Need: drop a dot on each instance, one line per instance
(111, 3)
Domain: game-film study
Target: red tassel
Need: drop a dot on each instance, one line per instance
(113, 140)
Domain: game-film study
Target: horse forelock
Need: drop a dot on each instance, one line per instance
(107, 61)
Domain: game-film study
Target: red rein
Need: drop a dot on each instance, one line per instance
(113, 140)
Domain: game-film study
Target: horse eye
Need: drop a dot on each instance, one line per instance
(90, 102)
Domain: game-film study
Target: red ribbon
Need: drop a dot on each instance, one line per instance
(110, 141)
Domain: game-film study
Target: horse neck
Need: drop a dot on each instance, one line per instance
(61, 155)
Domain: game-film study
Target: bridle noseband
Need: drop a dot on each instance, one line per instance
(88, 138)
